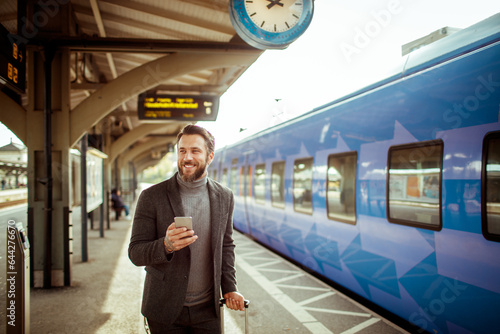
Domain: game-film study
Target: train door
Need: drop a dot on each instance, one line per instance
(247, 191)
(249, 194)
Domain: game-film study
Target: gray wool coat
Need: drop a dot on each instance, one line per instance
(167, 276)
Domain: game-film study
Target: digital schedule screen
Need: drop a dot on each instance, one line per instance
(178, 107)
(12, 61)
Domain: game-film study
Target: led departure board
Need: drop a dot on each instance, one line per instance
(12, 61)
(178, 107)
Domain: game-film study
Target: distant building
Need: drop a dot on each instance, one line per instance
(14, 152)
(426, 40)
(13, 166)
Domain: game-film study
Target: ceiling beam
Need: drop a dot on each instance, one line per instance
(109, 56)
(131, 137)
(141, 45)
(194, 89)
(144, 147)
(174, 16)
(145, 26)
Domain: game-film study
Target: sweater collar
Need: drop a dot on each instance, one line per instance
(191, 185)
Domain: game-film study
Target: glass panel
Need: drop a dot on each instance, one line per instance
(260, 182)
(241, 182)
(224, 177)
(493, 186)
(415, 184)
(278, 184)
(302, 185)
(249, 181)
(341, 187)
(233, 181)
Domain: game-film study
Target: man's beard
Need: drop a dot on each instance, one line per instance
(200, 169)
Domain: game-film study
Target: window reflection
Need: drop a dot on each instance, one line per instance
(233, 181)
(414, 185)
(341, 187)
(278, 184)
(249, 181)
(260, 181)
(224, 177)
(493, 185)
(302, 185)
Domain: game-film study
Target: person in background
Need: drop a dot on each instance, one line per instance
(186, 270)
(118, 202)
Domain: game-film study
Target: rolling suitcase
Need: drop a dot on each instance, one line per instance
(221, 303)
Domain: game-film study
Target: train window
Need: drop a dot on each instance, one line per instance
(260, 183)
(491, 187)
(414, 184)
(233, 182)
(341, 187)
(241, 181)
(224, 177)
(249, 181)
(278, 184)
(302, 185)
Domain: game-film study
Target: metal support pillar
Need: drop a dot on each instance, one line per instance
(84, 143)
(103, 206)
(47, 267)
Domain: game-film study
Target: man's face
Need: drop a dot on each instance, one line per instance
(192, 157)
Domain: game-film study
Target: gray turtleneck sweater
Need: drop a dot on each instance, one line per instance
(196, 203)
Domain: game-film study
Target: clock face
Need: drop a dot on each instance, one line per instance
(275, 16)
(270, 24)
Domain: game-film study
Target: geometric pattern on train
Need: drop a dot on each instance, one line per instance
(366, 267)
(449, 299)
(323, 250)
(293, 239)
(371, 269)
(270, 229)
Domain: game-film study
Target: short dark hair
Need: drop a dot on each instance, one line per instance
(192, 129)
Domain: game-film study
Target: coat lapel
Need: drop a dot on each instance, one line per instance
(174, 196)
(215, 213)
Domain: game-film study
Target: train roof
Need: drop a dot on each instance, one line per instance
(467, 40)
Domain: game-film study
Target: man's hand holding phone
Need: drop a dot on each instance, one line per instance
(179, 234)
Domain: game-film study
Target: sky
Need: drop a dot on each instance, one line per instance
(348, 45)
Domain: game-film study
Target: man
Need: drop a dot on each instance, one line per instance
(118, 203)
(183, 284)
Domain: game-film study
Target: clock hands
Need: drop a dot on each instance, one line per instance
(270, 24)
(274, 2)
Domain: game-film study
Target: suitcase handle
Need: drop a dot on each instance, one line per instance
(222, 302)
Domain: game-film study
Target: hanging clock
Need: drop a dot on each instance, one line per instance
(270, 24)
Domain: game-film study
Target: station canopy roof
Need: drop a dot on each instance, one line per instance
(108, 38)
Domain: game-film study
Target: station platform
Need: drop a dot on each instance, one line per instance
(106, 293)
(10, 197)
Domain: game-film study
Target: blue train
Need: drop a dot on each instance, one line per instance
(393, 192)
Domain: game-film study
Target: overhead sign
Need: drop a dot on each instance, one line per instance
(12, 61)
(178, 107)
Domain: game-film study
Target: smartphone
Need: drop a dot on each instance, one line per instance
(184, 222)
